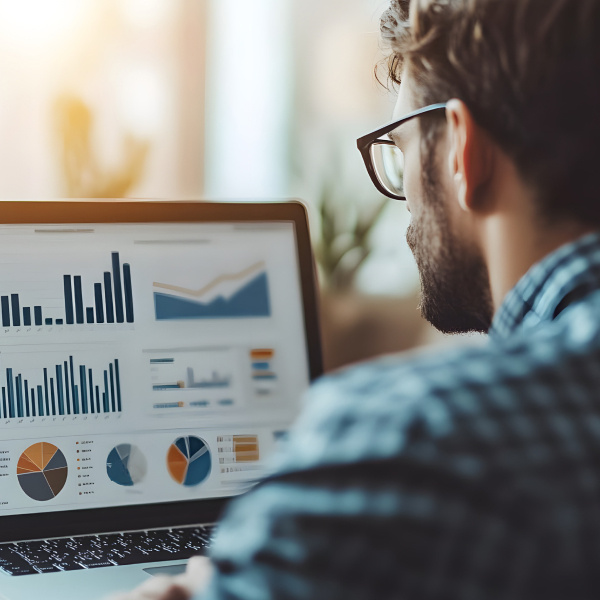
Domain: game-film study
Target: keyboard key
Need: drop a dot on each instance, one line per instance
(45, 567)
(133, 559)
(69, 566)
(95, 564)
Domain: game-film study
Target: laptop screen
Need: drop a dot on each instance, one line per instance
(145, 363)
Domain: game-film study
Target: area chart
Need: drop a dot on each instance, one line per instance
(42, 471)
(189, 460)
(126, 465)
(238, 295)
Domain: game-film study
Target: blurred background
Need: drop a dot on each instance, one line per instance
(219, 99)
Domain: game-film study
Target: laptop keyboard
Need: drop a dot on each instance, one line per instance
(104, 550)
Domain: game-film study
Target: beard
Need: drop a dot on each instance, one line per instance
(455, 288)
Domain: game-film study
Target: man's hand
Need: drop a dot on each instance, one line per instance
(182, 587)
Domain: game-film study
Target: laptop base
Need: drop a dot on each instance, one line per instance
(91, 584)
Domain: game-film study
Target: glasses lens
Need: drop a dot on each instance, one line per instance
(388, 162)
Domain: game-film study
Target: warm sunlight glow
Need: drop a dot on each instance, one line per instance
(35, 23)
(145, 13)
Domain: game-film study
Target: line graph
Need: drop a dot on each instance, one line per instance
(243, 294)
(213, 284)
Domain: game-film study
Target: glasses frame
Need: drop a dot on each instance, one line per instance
(365, 142)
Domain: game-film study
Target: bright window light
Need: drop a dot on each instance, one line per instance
(35, 23)
(248, 98)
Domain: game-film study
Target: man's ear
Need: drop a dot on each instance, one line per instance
(469, 156)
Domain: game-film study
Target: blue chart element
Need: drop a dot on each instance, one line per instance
(195, 453)
(116, 468)
(252, 300)
(13, 314)
(71, 392)
(217, 381)
(126, 465)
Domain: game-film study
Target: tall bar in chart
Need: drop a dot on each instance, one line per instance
(65, 389)
(16, 313)
(98, 303)
(5, 312)
(116, 271)
(106, 301)
(78, 299)
(110, 309)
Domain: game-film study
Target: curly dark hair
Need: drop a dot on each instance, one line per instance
(529, 71)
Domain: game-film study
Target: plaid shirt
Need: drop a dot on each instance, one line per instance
(469, 474)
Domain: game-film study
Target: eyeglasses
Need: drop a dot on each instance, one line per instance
(384, 160)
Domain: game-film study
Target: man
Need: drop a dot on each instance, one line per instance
(476, 473)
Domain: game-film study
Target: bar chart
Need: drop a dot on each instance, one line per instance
(112, 301)
(66, 388)
(214, 381)
(196, 378)
(238, 453)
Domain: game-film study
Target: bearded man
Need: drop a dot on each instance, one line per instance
(473, 473)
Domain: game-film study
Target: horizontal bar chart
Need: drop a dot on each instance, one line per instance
(238, 453)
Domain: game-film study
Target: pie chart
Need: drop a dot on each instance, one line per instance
(126, 465)
(42, 471)
(189, 461)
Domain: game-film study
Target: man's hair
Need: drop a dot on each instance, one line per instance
(529, 71)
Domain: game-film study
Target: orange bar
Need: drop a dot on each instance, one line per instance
(262, 353)
(245, 448)
(250, 457)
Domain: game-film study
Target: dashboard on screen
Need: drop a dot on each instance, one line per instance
(145, 363)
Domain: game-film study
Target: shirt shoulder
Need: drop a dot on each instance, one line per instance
(385, 407)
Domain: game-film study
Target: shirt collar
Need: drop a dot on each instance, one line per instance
(564, 276)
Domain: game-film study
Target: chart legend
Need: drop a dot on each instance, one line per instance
(264, 376)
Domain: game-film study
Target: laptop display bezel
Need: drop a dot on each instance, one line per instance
(145, 516)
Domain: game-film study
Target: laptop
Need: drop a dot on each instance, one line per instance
(152, 357)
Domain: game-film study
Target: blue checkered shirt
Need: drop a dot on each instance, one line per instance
(469, 474)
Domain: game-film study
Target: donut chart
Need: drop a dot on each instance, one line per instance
(42, 471)
(126, 465)
(189, 460)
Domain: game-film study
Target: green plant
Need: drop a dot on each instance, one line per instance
(345, 240)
